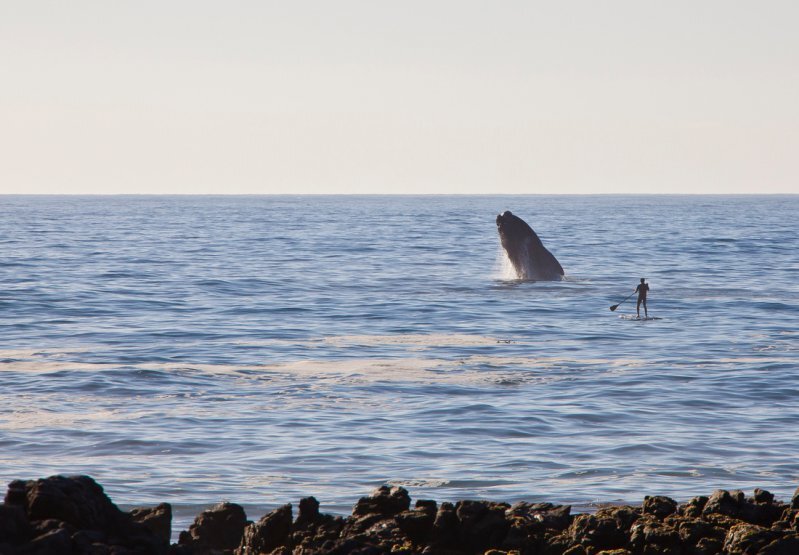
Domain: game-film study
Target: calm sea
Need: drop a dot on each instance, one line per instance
(262, 349)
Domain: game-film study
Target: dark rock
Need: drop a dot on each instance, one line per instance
(553, 517)
(764, 514)
(650, 535)
(14, 525)
(725, 503)
(352, 547)
(56, 542)
(708, 546)
(157, 520)
(694, 507)
(523, 535)
(427, 505)
(384, 501)
(734, 504)
(89, 541)
(598, 533)
(76, 500)
(763, 496)
(387, 535)
(61, 515)
(787, 545)
(16, 493)
(659, 506)
(624, 516)
(558, 544)
(40, 527)
(417, 524)
(746, 539)
(358, 526)
(533, 525)
(309, 511)
(219, 528)
(445, 527)
(692, 531)
(267, 534)
(469, 512)
(481, 524)
(312, 537)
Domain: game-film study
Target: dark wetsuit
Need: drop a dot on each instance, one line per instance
(641, 290)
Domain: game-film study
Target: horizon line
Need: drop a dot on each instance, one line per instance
(645, 194)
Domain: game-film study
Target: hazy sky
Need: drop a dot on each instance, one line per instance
(399, 97)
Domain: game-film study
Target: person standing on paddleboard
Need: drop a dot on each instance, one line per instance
(642, 290)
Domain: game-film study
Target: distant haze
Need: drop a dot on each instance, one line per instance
(399, 97)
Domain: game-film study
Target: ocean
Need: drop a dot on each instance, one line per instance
(260, 349)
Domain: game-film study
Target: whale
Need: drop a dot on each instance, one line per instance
(528, 255)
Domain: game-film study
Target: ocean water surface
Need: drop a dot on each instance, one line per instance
(262, 349)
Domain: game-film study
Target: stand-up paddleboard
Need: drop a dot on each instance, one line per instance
(631, 317)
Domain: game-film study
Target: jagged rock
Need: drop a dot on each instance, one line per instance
(416, 524)
(708, 546)
(312, 537)
(352, 547)
(383, 501)
(89, 541)
(387, 534)
(762, 509)
(445, 527)
(553, 517)
(219, 528)
(481, 524)
(694, 507)
(597, 532)
(746, 539)
(735, 505)
(650, 535)
(725, 503)
(74, 511)
(558, 544)
(309, 511)
(659, 506)
(56, 541)
(356, 526)
(267, 534)
(427, 505)
(625, 516)
(14, 525)
(763, 496)
(787, 545)
(75, 500)
(156, 519)
(61, 515)
(692, 531)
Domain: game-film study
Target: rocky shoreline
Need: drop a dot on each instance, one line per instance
(72, 515)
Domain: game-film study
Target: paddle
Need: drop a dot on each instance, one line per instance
(615, 306)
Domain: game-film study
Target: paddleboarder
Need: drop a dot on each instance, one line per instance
(642, 290)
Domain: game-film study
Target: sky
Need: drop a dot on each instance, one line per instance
(402, 97)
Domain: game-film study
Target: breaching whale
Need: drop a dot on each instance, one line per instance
(526, 252)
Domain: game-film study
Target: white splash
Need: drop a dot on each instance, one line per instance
(503, 267)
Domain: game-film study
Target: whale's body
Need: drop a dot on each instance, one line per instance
(530, 259)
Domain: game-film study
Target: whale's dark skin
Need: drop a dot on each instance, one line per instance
(530, 259)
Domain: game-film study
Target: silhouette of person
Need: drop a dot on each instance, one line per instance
(642, 290)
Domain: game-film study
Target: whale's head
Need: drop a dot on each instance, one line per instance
(513, 231)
